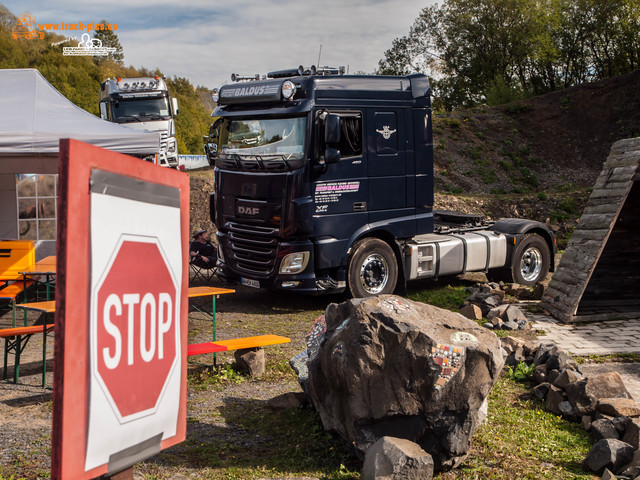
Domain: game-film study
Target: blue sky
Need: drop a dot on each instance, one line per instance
(208, 40)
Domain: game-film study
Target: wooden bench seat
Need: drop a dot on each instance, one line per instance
(11, 292)
(14, 341)
(235, 344)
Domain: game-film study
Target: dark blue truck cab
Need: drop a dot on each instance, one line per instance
(324, 182)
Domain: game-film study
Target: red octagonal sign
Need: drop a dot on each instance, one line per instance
(136, 327)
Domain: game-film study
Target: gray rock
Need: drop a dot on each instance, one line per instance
(552, 375)
(523, 325)
(558, 359)
(632, 433)
(488, 325)
(513, 314)
(515, 358)
(389, 366)
(541, 390)
(471, 311)
(585, 394)
(617, 407)
(586, 422)
(607, 475)
(511, 344)
(540, 373)
(632, 469)
(621, 423)
(566, 377)
(603, 428)
(251, 361)
(509, 325)
(288, 400)
(542, 354)
(393, 458)
(497, 312)
(555, 396)
(608, 453)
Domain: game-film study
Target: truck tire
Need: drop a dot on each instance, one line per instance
(529, 265)
(373, 269)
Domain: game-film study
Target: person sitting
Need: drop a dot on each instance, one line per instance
(202, 252)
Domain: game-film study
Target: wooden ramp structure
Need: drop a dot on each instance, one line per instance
(598, 277)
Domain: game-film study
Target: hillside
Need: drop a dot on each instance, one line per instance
(554, 142)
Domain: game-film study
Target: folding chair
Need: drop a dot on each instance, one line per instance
(200, 274)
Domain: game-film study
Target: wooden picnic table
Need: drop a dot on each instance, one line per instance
(45, 267)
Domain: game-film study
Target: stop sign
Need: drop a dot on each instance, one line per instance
(136, 332)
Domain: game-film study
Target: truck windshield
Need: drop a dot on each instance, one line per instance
(260, 139)
(140, 109)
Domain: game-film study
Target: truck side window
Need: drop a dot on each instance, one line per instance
(350, 137)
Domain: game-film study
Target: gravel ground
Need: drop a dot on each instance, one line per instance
(26, 409)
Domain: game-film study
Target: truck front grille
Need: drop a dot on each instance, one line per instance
(254, 249)
(164, 135)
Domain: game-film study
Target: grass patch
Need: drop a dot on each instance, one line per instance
(521, 440)
(617, 357)
(446, 296)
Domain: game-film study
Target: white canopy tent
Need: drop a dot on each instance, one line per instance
(34, 116)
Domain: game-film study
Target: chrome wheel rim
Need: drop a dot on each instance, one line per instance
(374, 274)
(531, 264)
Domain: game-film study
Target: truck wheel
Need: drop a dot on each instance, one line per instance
(530, 263)
(373, 269)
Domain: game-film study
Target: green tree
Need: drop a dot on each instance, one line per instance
(109, 39)
(501, 50)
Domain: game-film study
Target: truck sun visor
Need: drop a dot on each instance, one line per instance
(251, 92)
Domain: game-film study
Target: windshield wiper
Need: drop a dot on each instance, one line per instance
(130, 116)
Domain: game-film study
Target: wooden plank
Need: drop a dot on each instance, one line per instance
(202, 348)
(253, 342)
(13, 332)
(48, 307)
(207, 291)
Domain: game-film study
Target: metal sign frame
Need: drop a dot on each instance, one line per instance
(72, 372)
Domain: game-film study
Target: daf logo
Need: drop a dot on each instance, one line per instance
(248, 210)
(385, 132)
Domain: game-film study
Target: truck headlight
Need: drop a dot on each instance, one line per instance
(288, 89)
(171, 147)
(294, 262)
(215, 95)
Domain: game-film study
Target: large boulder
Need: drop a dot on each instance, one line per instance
(388, 366)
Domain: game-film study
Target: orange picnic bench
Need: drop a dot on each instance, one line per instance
(15, 256)
(14, 341)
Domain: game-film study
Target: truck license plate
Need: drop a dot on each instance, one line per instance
(250, 283)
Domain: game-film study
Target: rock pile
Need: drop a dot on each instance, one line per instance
(487, 301)
(601, 402)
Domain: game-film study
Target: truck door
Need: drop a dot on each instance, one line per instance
(391, 185)
(340, 192)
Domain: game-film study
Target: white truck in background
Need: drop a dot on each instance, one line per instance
(143, 103)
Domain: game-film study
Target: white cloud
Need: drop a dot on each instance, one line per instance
(205, 41)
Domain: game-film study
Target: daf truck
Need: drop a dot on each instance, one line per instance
(143, 103)
(324, 183)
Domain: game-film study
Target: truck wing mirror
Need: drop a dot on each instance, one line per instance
(174, 105)
(332, 129)
(103, 110)
(331, 155)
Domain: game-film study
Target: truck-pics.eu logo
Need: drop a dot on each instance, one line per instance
(385, 132)
(25, 27)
